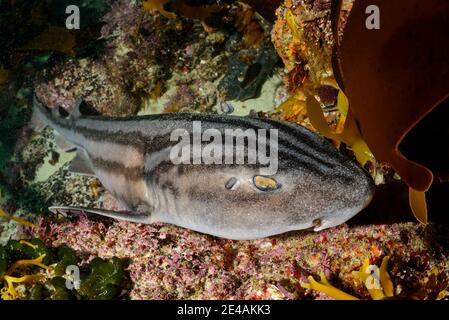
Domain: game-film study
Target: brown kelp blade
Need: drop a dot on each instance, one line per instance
(394, 76)
(418, 204)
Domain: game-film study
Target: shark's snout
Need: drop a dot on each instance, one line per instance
(358, 195)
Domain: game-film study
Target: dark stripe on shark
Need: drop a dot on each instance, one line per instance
(134, 139)
(294, 142)
(116, 168)
(134, 173)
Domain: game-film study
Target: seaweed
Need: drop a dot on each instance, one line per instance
(66, 257)
(412, 52)
(60, 291)
(43, 272)
(103, 280)
(19, 250)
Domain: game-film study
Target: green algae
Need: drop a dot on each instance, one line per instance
(99, 280)
(20, 251)
(103, 280)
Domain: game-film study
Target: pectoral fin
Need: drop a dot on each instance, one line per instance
(117, 215)
(80, 165)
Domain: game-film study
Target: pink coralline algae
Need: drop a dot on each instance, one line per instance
(167, 262)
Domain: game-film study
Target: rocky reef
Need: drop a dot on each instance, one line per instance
(167, 262)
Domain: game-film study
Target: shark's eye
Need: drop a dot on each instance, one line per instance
(265, 183)
(232, 184)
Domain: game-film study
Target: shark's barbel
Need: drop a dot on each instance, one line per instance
(314, 185)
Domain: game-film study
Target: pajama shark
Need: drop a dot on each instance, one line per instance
(314, 186)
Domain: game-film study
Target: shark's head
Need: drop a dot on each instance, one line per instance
(349, 191)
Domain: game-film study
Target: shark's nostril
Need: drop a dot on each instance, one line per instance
(317, 223)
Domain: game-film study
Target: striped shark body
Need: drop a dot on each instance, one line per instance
(314, 186)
